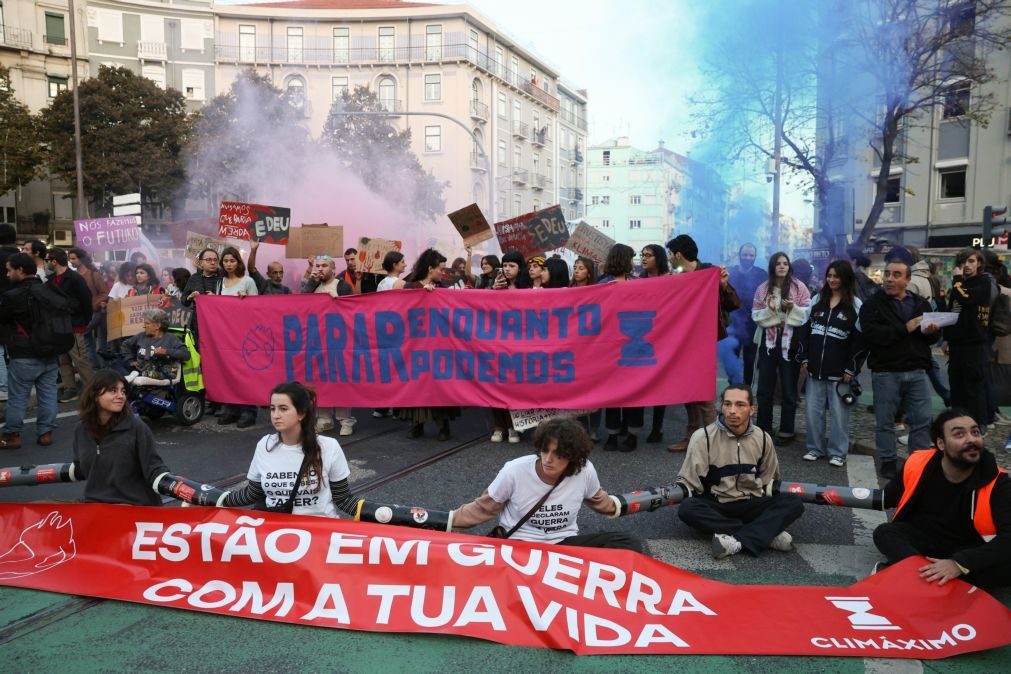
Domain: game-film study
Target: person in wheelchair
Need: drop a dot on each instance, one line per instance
(154, 357)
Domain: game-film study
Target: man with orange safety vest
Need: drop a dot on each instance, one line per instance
(952, 506)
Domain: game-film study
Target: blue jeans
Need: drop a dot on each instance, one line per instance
(727, 350)
(820, 391)
(23, 373)
(3, 369)
(910, 392)
(937, 381)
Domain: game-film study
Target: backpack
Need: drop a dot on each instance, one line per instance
(52, 331)
(1000, 316)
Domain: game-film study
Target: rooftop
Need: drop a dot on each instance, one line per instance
(343, 4)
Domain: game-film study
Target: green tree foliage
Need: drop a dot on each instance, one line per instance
(132, 133)
(239, 137)
(22, 156)
(372, 148)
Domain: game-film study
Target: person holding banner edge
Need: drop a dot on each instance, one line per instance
(726, 473)
(537, 497)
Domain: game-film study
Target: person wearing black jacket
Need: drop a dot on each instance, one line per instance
(25, 368)
(273, 284)
(207, 282)
(73, 285)
(8, 237)
(971, 297)
(949, 501)
(114, 451)
(829, 348)
(898, 356)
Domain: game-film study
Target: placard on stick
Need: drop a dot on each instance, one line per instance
(256, 222)
(471, 224)
(533, 233)
(589, 242)
(371, 253)
(125, 315)
(197, 242)
(315, 239)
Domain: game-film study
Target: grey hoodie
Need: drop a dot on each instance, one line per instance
(920, 281)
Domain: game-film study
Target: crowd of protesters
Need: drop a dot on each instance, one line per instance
(783, 332)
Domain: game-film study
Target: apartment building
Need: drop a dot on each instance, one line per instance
(486, 114)
(948, 166)
(639, 197)
(170, 42)
(35, 47)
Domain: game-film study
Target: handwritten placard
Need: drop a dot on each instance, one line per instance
(107, 234)
(471, 224)
(589, 242)
(533, 233)
(256, 222)
(318, 239)
(371, 253)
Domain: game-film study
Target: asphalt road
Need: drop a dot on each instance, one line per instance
(38, 630)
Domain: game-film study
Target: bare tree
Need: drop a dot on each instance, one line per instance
(920, 55)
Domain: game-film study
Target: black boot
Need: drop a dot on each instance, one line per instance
(417, 430)
(227, 418)
(612, 443)
(444, 431)
(246, 419)
(631, 442)
(655, 435)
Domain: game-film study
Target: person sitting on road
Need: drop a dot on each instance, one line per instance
(728, 467)
(953, 506)
(155, 355)
(537, 497)
(280, 457)
(114, 451)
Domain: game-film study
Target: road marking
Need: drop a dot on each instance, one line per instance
(61, 415)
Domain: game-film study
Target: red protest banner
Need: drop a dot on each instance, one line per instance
(571, 348)
(350, 575)
(267, 224)
(533, 233)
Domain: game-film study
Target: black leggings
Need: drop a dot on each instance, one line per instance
(616, 540)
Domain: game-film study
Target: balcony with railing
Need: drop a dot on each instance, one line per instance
(541, 136)
(479, 111)
(477, 162)
(521, 129)
(152, 51)
(321, 51)
(571, 193)
(572, 118)
(520, 176)
(15, 37)
(538, 181)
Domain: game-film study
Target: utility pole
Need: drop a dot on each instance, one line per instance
(777, 146)
(81, 212)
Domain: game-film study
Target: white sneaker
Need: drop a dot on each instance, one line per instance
(811, 456)
(514, 436)
(725, 545)
(594, 436)
(324, 425)
(782, 542)
(348, 426)
(497, 436)
(837, 461)
(376, 414)
(903, 439)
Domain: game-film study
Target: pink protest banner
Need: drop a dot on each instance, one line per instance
(645, 342)
(337, 574)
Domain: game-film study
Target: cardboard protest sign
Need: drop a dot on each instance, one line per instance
(371, 253)
(309, 240)
(197, 242)
(524, 419)
(125, 315)
(256, 222)
(533, 233)
(471, 224)
(105, 234)
(589, 242)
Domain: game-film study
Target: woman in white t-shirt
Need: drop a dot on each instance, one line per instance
(563, 448)
(394, 265)
(324, 489)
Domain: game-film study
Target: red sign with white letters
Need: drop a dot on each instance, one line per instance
(350, 575)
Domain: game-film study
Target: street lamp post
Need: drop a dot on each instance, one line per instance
(79, 163)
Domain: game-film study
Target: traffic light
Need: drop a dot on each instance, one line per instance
(992, 215)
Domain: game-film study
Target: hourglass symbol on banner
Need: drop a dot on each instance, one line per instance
(637, 351)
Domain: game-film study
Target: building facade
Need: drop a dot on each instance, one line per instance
(35, 47)
(947, 169)
(500, 146)
(639, 197)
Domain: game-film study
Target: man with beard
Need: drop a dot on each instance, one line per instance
(745, 278)
(729, 465)
(952, 506)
